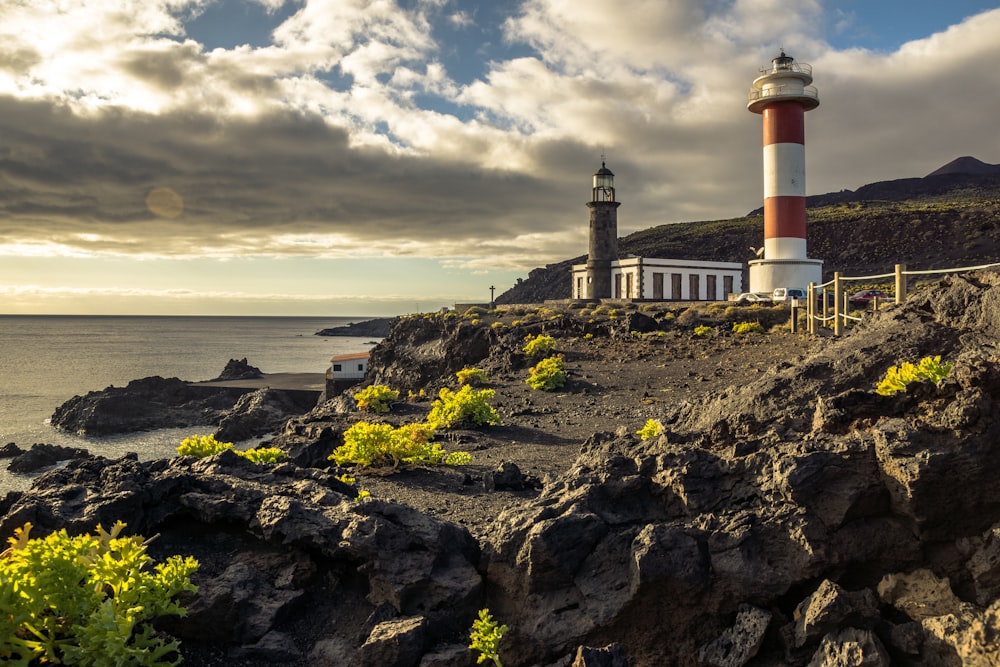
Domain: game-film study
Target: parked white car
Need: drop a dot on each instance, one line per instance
(787, 294)
(753, 297)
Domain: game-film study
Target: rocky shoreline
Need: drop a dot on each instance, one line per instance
(788, 515)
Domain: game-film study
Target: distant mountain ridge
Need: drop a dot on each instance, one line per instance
(966, 165)
(949, 218)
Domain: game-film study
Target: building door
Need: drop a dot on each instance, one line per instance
(618, 285)
(710, 287)
(695, 287)
(727, 286)
(628, 286)
(658, 286)
(675, 286)
(579, 288)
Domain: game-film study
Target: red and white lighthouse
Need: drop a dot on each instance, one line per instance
(782, 95)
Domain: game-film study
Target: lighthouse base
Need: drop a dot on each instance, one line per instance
(766, 274)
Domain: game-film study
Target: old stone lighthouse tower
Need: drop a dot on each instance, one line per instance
(781, 94)
(603, 234)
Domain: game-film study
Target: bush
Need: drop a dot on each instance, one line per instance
(539, 345)
(897, 377)
(548, 374)
(263, 454)
(485, 637)
(653, 428)
(471, 376)
(382, 445)
(703, 330)
(375, 398)
(467, 403)
(748, 327)
(200, 446)
(87, 600)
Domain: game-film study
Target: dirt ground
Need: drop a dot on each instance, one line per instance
(611, 385)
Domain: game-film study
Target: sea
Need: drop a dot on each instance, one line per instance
(47, 359)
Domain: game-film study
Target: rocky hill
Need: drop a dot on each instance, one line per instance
(948, 218)
(786, 515)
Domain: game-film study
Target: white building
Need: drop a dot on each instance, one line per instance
(349, 366)
(657, 279)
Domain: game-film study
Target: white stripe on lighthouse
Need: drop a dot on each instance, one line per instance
(784, 170)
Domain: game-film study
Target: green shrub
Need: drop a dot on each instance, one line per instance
(748, 327)
(382, 445)
(471, 376)
(375, 398)
(263, 454)
(703, 330)
(548, 374)
(652, 429)
(466, 403)
(200, 446)
(87, 600)
(897, 377)
(485, 637)
(539, 345)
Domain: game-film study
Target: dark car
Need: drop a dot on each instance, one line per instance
(868, 295)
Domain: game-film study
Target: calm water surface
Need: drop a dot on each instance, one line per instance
(45, 360)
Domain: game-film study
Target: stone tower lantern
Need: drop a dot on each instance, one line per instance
(603, 234)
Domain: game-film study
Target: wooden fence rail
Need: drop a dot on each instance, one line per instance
(840, 315)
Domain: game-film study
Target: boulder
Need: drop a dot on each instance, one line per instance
(239, 370)
(738, 643)
(42, 456)
(10, 450)
(831, 608)
(850, 647)
(257, 413)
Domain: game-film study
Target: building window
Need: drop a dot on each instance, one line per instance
(361, 367)
(337, 368)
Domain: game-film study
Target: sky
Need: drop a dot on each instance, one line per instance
(361, 158)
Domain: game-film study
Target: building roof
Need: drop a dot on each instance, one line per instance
(349, 357)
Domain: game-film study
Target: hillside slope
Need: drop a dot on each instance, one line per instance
(942, 220)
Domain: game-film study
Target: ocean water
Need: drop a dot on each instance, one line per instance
(46, 360)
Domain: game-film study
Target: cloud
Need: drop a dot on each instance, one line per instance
(348, 136)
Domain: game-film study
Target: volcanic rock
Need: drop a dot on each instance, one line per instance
(42, 455)
(239, 370)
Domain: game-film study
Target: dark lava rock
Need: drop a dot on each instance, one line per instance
(10, 450)
(239, 370)
(42, 456)
(282, 549)
(257, 413)
(149, 403)
(376, 328)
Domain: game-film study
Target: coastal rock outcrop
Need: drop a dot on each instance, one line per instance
(155, 402)
(42, 455)
(374, 328)
(239, 369)
(142, 405)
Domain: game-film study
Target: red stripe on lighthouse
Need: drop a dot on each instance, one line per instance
(785, 217)
(784, 122)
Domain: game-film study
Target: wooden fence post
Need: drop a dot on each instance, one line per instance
(811, 309)
(900, 283)
(836, 303)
